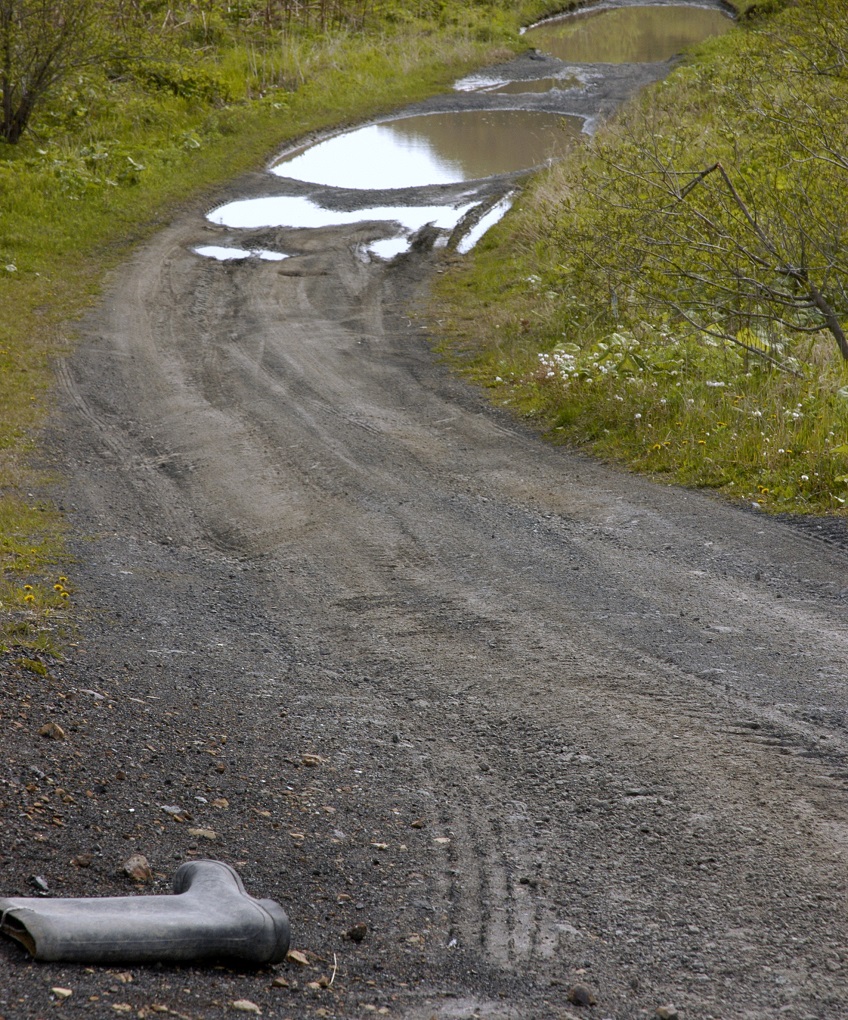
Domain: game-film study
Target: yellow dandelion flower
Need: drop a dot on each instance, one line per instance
(27, 587)
(29, 598)
(57, 587)
(63, 580)
(65, 595)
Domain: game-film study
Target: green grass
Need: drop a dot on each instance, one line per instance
(555, 316)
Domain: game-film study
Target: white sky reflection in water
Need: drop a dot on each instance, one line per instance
(388, 247)
(573, 78)
(412, 152)
(298, 212)
(222, 254)
(486, 222)
(371, 157)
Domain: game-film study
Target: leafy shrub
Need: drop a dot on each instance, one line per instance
(196, 83)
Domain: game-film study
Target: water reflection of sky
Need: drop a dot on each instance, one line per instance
(433, 149)
(222, 254)
(297, 212)
(485, 223)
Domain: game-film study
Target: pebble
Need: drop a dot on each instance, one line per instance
(203, 833)
(358, 932)
(52, 730)
(668, 1012)
(62, 993)
(580, 995)
(246, 1006)
(174, 810)
(138, 868)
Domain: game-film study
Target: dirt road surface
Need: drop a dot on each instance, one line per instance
(534, 722)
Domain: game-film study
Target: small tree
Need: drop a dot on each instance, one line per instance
(41, 42)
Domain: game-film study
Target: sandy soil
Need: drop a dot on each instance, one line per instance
(534, 722)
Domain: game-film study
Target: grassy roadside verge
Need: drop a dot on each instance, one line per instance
(108, 162)
(577, 311)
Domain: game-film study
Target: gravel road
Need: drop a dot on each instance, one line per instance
(535, 723)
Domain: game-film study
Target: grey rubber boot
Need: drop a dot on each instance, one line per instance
(210, 917)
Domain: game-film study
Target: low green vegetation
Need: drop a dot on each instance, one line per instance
(674, 296)
(155, 102)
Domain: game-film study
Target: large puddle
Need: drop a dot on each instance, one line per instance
(437, 148)
(627, 35)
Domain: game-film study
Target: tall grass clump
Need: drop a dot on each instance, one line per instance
(674, 296)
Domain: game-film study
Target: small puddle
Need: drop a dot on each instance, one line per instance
(514, 88)
(625, 35)
(213, 251)
(388, 247)
(486, 222)
(497, 86)
(296, 212)
(436, 148)
(402, 222)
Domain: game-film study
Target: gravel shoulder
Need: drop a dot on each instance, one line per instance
(534, 722)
